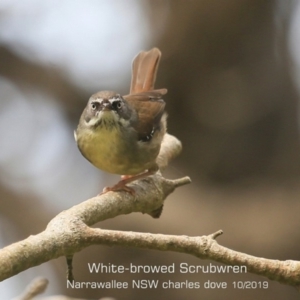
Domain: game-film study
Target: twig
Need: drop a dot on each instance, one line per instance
(36, 287)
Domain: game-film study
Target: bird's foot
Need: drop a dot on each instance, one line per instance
(125, 179)
(120, 186)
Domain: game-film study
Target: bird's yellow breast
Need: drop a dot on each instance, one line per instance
(108, 150)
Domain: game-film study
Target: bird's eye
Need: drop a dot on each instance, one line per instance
(117, 105)
(94, 105)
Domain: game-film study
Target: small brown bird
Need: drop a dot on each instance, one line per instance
(123, 134)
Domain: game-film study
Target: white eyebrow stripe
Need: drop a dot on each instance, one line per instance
(97, 100)
(112, 100)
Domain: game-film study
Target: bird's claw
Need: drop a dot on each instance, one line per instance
(120, 186)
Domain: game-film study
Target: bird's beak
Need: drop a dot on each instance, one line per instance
(106, 105)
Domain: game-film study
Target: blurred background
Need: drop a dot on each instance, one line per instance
(232, 69)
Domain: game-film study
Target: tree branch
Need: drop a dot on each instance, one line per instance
(69, 232)
(203, 247)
